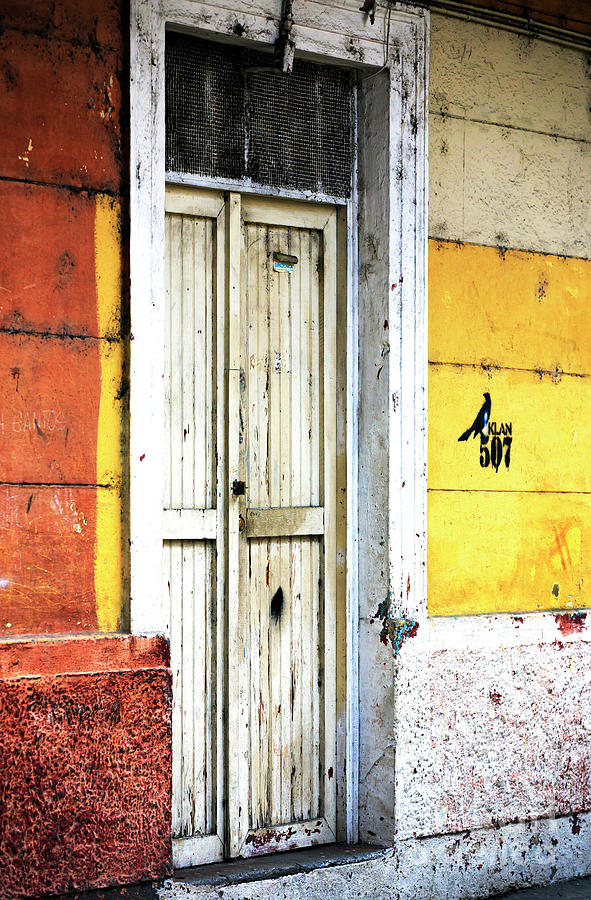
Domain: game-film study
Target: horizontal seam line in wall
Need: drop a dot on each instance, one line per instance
(75, 188)
(502, 491)
(527, 20)
(550, 134)
(495, 367)
(65, 672)
(501, 249)
(58, 484)
(55, 37)
(59, 336)
(516, 22)
(498, 823)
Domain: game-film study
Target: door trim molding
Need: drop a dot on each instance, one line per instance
(344, 35)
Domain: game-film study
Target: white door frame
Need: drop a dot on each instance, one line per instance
(396, 204)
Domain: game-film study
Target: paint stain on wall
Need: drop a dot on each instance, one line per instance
(571, 623)
(394, 630)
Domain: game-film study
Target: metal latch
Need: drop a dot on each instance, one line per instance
(238, 488)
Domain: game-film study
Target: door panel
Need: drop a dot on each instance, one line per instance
(283, 652)
(190, 564)
(250, 522)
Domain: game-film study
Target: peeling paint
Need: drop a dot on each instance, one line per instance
(395, 630)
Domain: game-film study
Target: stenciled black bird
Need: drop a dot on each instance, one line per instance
(479, 424)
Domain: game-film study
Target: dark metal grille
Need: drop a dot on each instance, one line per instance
(231, 114)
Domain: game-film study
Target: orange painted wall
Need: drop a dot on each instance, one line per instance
(61, 344)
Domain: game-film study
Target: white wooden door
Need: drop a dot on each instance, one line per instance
(251, 551)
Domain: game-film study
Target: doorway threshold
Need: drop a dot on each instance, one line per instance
(276, 865)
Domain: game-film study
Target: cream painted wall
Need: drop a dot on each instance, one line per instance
(510, 140)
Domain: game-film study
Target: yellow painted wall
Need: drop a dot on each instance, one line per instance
(512, 322)
(108, 553)
(515, 325)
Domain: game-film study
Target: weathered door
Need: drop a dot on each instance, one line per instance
(252, 505)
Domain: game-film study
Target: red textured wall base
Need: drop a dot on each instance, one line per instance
(85, 764)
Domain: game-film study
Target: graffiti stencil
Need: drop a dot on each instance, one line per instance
(495, 439)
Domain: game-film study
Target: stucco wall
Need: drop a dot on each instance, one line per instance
(84, 721)
(62, 176)
(492, 725)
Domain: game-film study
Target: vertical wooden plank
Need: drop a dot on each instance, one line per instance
(308, 684)
(238, 684)
(208, 623)
(169, 250)
(175, 576)
(219, 323)
(174, 497)
(296, 499)
(188, 678)
(200, 583)
(262, 419)
(209, 736)
(253, 479)
(283, 460)
(197, 488)
(343, 663)
(330, 515)
(274, 552)
(316, 469)
(191, 298)
(209, 396)
(176, 381)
